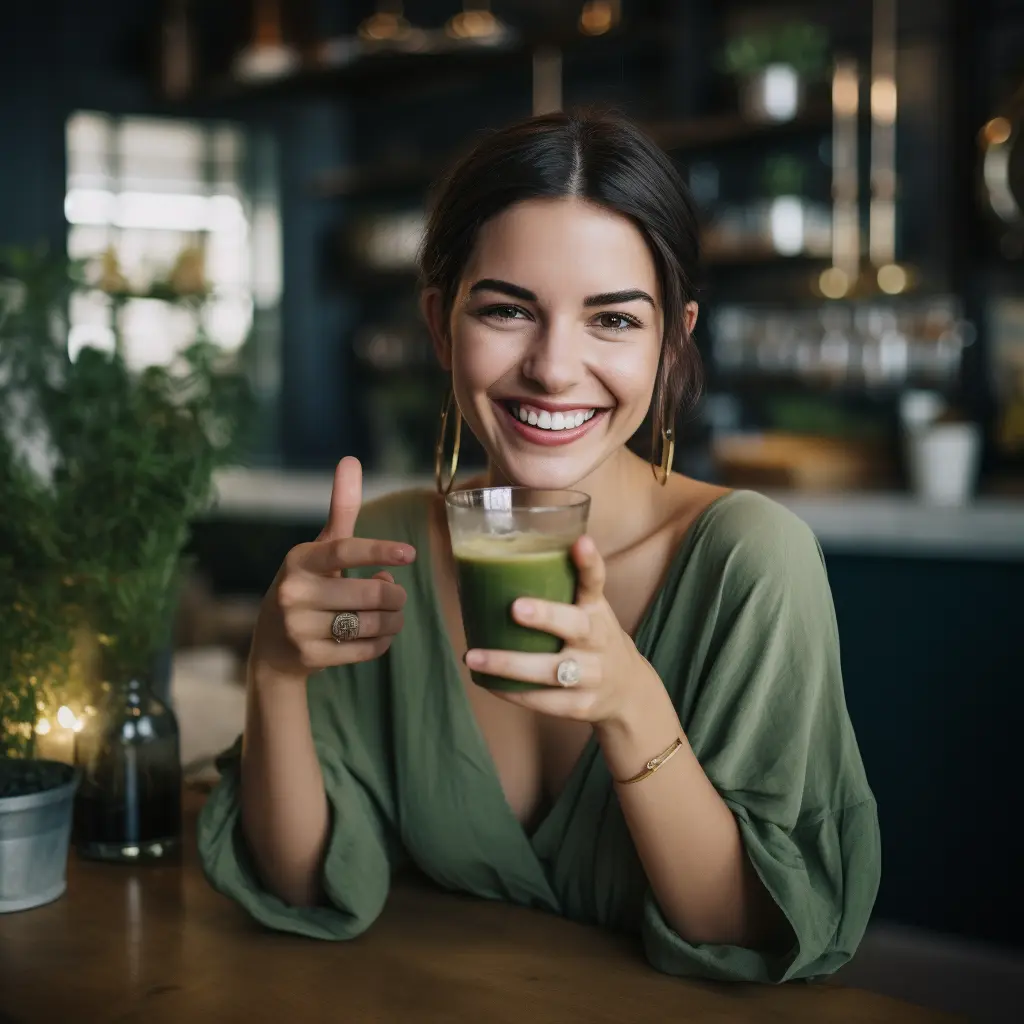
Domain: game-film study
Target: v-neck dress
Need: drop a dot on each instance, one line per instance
(743, 634)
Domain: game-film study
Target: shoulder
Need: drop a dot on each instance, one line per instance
(747, 534)
(745, 542)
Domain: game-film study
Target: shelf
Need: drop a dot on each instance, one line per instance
(375, 75)
(673, 136)
(389, 73)
(760, 257)
(764, 384)
(376, 178)
(733, 129)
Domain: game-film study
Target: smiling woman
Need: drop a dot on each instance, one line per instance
(684, 767)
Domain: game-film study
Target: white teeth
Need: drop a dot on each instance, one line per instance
(551, 420)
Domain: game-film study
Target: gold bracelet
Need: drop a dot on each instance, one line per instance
(654, 764)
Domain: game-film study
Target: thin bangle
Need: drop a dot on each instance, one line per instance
(654, 764)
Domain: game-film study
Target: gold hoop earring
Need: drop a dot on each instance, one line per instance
(449, 406)
(668, 452)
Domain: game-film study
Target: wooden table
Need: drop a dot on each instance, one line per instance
(156, 945)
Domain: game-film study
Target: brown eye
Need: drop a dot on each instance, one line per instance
(503, 312)
(617, 322)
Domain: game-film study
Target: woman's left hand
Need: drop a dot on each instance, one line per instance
(610, 668)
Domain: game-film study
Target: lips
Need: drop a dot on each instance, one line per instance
(510, 415)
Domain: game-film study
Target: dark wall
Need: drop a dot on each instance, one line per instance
(31, 127)
(933, 663)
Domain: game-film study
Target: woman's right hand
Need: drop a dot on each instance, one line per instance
(292, 638)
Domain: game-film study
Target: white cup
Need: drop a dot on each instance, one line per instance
(943, 462)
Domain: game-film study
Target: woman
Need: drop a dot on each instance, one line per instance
(699, 784)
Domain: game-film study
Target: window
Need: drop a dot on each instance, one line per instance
(180, 228)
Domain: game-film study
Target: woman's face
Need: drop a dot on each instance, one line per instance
(555, 335)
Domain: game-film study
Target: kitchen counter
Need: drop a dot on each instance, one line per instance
(884, 524)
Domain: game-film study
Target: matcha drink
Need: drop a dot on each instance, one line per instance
(512, 542)
(493, 572)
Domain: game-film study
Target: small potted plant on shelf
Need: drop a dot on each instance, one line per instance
(772, 67)
(102, 469)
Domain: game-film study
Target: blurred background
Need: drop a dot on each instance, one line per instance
(859, 169)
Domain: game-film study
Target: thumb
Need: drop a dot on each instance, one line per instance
(346, 499)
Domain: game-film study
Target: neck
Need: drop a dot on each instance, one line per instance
(620, 474)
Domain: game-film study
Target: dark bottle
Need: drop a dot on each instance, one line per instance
(128, 807)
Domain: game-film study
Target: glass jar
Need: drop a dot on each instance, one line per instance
(128, 807)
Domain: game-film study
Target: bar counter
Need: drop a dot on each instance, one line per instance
(157, 944)
(987, 529)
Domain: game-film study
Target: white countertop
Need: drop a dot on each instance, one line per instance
(890, 524)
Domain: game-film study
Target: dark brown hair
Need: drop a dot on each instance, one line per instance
(603, 159)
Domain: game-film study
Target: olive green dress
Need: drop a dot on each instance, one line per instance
(743, 634)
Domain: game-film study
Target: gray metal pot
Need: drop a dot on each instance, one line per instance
(35, 831)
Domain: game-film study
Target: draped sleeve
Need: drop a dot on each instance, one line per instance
(351, 725)
(760, 696)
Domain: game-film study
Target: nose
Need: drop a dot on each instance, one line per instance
(554, 360)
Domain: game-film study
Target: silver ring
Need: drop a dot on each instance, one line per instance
(345, 626)
(568, 672)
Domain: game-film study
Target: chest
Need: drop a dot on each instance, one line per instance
(533, 754)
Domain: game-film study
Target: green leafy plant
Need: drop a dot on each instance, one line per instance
(102, 469)
(783, 175)
(802, 45)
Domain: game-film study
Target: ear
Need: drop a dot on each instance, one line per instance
(431, 307)
(690, 316)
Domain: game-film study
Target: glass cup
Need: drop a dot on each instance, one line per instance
(512, 542)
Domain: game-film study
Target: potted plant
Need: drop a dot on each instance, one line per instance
(35, 794)
(772, 67)
(102, 469)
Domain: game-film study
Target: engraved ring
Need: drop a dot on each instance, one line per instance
(345, 626)
(568, 672)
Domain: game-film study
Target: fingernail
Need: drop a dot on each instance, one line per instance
(402, 555)
(524, 609)
(474, 659)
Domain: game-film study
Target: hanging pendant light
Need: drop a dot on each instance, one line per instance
(476, 23)
(267, 56)
(388, 26)
(599, 17)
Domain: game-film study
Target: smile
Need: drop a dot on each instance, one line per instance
(549, 420)
(548, 427)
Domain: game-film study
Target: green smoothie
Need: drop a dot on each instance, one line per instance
(495, 570)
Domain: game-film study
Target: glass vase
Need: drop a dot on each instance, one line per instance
(128, 807)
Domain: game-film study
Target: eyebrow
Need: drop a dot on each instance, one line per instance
(515, 291)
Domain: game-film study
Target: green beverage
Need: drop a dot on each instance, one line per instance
(492, 573)
(512, 542)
